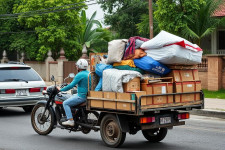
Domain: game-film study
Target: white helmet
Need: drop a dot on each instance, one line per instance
(82, 64)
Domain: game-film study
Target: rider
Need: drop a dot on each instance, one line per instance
(81, 79)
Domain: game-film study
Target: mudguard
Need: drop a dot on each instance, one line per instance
(123, 122)
(42, 102)
(51, 109)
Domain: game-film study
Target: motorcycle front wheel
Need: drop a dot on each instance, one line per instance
(44, 125)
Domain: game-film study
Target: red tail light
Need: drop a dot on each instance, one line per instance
(38, 89)
(147, 119)
(10, 91)
(183, 116)
(35, 90)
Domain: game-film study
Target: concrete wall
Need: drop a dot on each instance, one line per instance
(53, 70)
(39, 67)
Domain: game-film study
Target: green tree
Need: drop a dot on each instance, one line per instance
(143, 26)
(92, 35)
(13, 38)
(56, 23)
(24, 42)
(101, 45)
(123, 15)
(171, 15)
(202, 23)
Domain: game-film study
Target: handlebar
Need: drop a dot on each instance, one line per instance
(63, 85)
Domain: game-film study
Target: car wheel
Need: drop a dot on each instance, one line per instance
(28, 109)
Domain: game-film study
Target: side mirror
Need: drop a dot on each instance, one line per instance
(52, 78)
(71, 75)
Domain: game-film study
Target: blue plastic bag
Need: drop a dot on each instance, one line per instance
(149, 64)
(99, 71)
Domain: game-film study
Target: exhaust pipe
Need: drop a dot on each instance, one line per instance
(88, 126)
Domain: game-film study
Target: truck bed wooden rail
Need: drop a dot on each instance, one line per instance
(140, 109)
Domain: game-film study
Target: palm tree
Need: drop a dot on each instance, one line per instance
(203, 23)
(143, 26)
(90, 34)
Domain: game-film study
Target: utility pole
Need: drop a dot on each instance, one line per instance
(150, 19)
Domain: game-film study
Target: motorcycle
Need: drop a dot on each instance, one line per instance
(48, 115)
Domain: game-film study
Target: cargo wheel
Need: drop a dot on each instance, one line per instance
(110, 131)
(155, 135)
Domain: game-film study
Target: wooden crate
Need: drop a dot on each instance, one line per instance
(96, 103)
(110, 104)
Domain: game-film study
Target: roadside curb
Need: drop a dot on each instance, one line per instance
(208, 113)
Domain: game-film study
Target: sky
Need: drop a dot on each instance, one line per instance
(92, 8)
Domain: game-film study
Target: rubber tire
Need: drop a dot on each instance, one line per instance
(28, 109)
(122, 135)
(53, 120)
(157, 138)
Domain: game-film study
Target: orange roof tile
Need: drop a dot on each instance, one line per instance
(220, 12)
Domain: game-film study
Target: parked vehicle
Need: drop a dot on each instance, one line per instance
(20, 85)
(113, 123)
(46, 115)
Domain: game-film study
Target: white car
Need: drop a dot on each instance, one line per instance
(20, 85)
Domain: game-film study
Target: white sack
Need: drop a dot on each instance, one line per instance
(116, 50)
(113, 79)
(175, 54)
(164, 38)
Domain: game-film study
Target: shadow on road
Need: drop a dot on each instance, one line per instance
(12, 111)
(96, 143)
(148, 145)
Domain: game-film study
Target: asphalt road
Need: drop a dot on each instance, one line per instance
(199, 133)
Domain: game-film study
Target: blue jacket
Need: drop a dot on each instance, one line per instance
(81, 79)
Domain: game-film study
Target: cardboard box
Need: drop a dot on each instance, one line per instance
(184, 75)
(110, 104)
(158, 88)
(96, 103)
(123, 105)
(188, 86)
(133, 85)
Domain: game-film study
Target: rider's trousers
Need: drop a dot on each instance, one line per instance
(72, 101)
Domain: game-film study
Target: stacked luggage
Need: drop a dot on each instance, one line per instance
(139, 66)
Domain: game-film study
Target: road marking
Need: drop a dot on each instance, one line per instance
(214, 130)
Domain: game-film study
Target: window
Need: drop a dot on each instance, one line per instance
(221, 40)
(23, 73)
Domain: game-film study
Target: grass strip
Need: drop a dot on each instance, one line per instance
(215, 94)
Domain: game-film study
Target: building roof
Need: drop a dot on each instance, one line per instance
(220, 12)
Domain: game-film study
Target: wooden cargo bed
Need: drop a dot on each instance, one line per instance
(135, 106)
